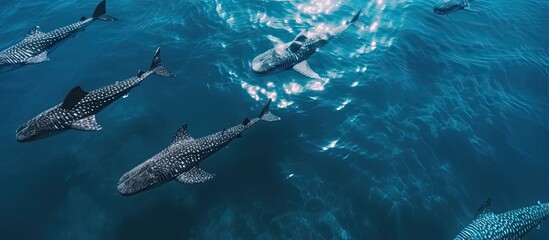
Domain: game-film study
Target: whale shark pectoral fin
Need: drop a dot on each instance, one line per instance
(87, 124)
(34, 31)
(40, 58)
(194, 175)
(484, 209)
(303, 68)
(75, 95)
(182, 135)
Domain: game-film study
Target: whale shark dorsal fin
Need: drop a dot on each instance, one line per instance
(246, 121)
(87, 124)
(194, 175)
(295, 46)
(303, 68)
(74, 96)
(182, 135)
(484, 209)
(301, 37)
(34, 31)
(139, 73)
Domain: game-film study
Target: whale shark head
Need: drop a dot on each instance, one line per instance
(35, 128)
(29, 132)
(447, 6)
(268, 62)
(138, 180)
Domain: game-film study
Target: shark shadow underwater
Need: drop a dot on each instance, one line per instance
(36, 45)
(180, 160)
(78, 109)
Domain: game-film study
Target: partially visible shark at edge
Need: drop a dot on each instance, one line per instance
(294, 54)
(180, 160)
(444, 7)
(507, 225)
(36, 45)
(78, 109)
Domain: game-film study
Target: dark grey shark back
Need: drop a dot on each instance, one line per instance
(181, 158)
(78, 109)
(508, 225)
(36, 44)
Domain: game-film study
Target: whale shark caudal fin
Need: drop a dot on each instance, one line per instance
(100, 13)
(484, 209)
(355, 21)
(194, 175)
(355, 18)
(305, 70)
(265, 115)
(157, 67)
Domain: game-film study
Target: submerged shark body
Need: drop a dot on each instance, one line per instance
(181, 158)
(293, 55)
(508, 225)
(78, 109)
(36, 45)
(450, 6)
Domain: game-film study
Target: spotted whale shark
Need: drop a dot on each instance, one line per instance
(180, 160)
(507, 225)
(78, 109)
(450, 6)
(294, 54)
(36, 45)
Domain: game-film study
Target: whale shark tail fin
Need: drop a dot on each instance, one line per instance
(265, 115)
(157, 67)
(100, 13)
(355, 18)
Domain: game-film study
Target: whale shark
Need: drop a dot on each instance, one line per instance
(36, 45)
(78, 109)
(449, 6)
(180, 160)
(507, 225)
(294, 54)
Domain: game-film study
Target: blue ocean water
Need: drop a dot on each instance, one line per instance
(421, 117)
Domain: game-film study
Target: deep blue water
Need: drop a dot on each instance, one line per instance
(421, 117)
